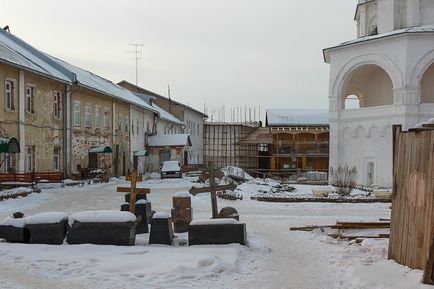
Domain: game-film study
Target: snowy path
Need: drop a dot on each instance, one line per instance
(275, 258)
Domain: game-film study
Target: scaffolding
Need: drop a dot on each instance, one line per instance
(267, 151)
(221, 144)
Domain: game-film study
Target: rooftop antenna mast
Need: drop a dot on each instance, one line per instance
(137, 52)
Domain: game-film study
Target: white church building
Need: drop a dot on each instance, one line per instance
(382, 78)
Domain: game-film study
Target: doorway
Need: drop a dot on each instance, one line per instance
(370, 174)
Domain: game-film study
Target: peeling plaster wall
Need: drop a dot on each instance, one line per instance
(122, 139)
(83, 139)
(46, 131)
(41, 129)
(8, 119)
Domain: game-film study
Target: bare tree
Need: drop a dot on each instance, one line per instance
(344, 179)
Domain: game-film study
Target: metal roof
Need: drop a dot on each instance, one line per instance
(169, 140)
(409, 30)
(101, 150)
(99, 84)
(167, 116)
(16, 52)
(9, 145)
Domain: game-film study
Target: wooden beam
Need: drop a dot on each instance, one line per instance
(194, 191)
(139, 191)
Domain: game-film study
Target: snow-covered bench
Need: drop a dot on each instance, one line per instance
(216, 231)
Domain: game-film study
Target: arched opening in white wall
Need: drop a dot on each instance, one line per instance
(427, 85)
(352, 102)
(370, 84)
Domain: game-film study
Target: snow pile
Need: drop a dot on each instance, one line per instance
(220, 221)
(142, 201)
(14, 222)
(101, 216)
(236, 173)
(181, 195)
(161, 215)
(47, 218)
(15, 192)
(421, 124)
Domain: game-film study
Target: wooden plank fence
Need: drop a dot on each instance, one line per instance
(412, 218)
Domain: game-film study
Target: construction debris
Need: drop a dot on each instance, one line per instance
(357, 231)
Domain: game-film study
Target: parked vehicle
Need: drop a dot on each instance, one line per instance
(171, 169)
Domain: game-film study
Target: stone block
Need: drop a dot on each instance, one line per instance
(143, 209)
(14, 230)
(181, 202)
(47, 228)
(138, 197)
(181, 219)
(52, 234)
(102, 228)
(161, 229)
(217, 232)
(229, 212)
(14, 234)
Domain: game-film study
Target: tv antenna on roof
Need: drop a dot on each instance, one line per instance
(137, 52)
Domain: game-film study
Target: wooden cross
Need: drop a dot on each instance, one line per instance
(133, 190)
(213, 188)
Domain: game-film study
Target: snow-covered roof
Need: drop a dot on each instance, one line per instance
(97, 83)
(145, 97)
(413, 29)
(169, 140)
(297, 117)
(16, 52)
(156, 95)
(167, 116)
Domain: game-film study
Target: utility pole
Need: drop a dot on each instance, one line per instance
(137, 52)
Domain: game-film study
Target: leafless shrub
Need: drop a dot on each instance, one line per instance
(344, 179)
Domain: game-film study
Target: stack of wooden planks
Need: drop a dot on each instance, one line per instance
(341, 230)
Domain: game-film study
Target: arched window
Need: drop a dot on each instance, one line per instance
(370, 84)
(352, 102)
(427, 85)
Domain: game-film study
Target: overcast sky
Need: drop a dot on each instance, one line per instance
(264, 53)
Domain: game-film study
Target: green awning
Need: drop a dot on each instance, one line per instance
(101, 150)
(9, 145)
(141, 153)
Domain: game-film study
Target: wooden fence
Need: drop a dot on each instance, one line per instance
(412, 217)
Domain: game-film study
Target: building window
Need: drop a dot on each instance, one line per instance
(57, 104)
(30, 90)
(198, 129)
(120, 117)
(9, 163)
(30, 158)
(56, 158)
(137, 127)
(10, 94)
(126, 123)
(77, 114)
(87, 116)
(132, 128)
(96, 117)
(147, 127)
(106, 120)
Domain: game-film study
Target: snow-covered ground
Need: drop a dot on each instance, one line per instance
(275, 257)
